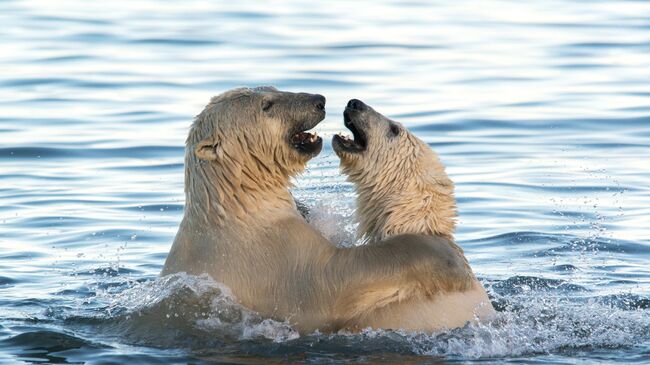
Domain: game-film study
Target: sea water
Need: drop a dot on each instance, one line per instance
(539, 110)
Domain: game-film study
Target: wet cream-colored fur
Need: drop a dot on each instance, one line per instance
(241, 226)
(402, 189)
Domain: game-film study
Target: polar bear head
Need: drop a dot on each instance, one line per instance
(401, 184)
(244, 147)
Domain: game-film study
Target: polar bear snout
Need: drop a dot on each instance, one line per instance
(303, 110)
(319, 101)
(308, 102)
(356, 104)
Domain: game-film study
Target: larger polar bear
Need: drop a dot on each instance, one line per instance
(241, 226)
(402, 188)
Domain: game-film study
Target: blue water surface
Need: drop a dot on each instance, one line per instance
(540, 110)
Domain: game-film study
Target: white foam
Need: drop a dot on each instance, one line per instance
(536, 322)
(540, 325)
(193, 304)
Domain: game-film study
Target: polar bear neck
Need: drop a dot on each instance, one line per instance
(235, 192)
(429, 210)
(415, 198)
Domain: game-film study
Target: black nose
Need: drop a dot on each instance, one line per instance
(320, 101)
(356, 104)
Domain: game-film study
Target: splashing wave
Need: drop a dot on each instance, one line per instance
(195, 311)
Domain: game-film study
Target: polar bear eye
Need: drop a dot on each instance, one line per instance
(394, 129)
(266, 105)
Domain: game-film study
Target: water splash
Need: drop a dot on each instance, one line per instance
(195, 306)
(334, 221)
(543, 318)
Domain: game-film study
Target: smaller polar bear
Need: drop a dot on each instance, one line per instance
(402, 189)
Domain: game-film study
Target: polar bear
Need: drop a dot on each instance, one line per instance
(402, 188)
(241, 226)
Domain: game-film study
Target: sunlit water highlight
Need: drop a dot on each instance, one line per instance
(540, 110)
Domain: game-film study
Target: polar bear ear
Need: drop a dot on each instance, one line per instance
(207, 149)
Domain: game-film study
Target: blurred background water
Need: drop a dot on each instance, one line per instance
(540, 110)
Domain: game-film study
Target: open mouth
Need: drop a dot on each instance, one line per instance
(356, 144)
(306, 142)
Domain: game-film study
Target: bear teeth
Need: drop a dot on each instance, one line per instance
(344, 137)
(304, 137)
